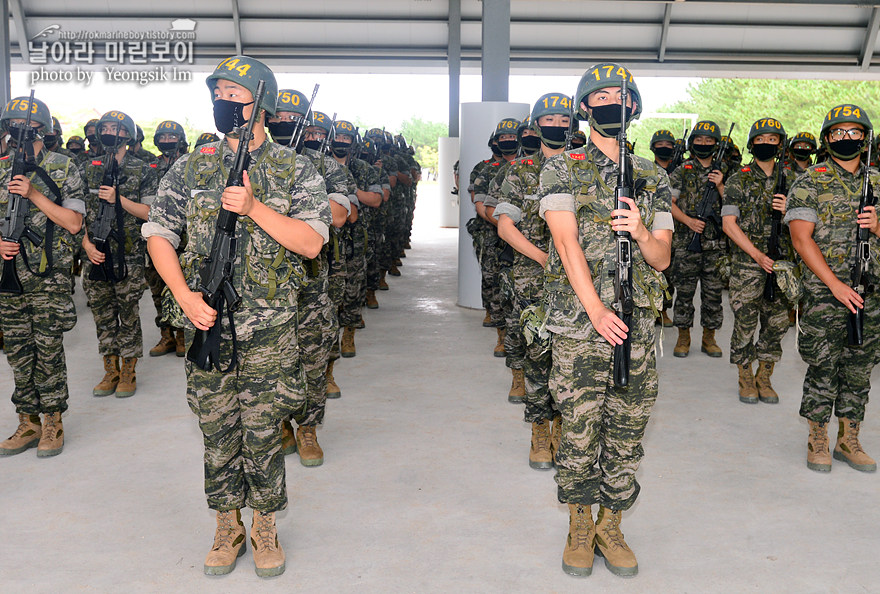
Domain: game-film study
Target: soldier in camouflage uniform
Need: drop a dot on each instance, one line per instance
(205, 138)
(688, 268)
(170, 139)
(284, 215)
(823, 215)
(376, 222)
(750, 197)
(137, 149)
(33, 322)
(520, 225)
(75, 145)
(578, 139)
(478, 228)
(602, 424)
(96, 149)
(802, 146)
(116, 304)
(55, 141)
(663, 146)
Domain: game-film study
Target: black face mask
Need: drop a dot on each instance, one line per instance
(507, 147)
(606, 119)
(75, 150)
(801, 154)
(312, 144)
(15, 129)
(340, 149)
(577, 143)
(50, 141)
(703, 151)
(663, 152)
(846, 149)
(92, 138)
(765, 152)
(282, 132)
(109, 140)
(167, 148)
(228, 115)
(530, 144)
(554, 136)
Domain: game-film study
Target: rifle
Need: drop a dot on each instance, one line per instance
(327, 139)
(678, 155)
(301, 124)
(623, 288)
(216, 270)
(14, 226)
(103, 231)
(705, 210)
(775, 223)
(571, 123)
(855, 322)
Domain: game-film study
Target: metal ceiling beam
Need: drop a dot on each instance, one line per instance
(236, 24)
(870, 39)
(667, 16)
(20, 29)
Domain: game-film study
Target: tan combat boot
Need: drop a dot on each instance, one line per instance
(383, 285)
(333, 390)
(487, 321)
(166, 343)
(499, 348)
(179, 343)
(268, 554)
(664, 318)
(393, 271)
(111, 377)
(683, 345)
(540, 456)
(371, 299)
(127, 378)
(709, 346)
(619, 558)
(288, 439)
(848, 448)
(517, 387)
(228, 543)
(397, 261)
(310, 452)
(348, 351)
(52, 441)
(748, 392)
(26, 436)
(577, 557)
(818, 456)
(555, 436)
(765, 391)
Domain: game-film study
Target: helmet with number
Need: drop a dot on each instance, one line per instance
(368, 149)
(121, 119)
(18, 109)
(169, 127)
(319, 119)
(505, 126)
(551, 104)
(400, 142)
(91, 123)
(704, 128)
(344, 127)
(765, 126)
(377, 135)
(75, 140)
(578, 139)
(56, 126)
(247, 72)
(602, 76)
(804, 137)
(207, 137)
(292, 101)
(846, 113)
(661, 135)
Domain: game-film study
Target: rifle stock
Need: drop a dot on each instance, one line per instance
(855, 322)
(623, 289)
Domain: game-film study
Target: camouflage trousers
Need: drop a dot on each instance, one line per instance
(539, 405)
(240, 417)
(33, 325)
(602, 425)
(156, 285)
(514, 345)
(375, 237)
(116, 309)
(318, 329)
(749, 306)
(688, 268)
(838, 376)
(354, 293)
(489, 268)
(385, 235)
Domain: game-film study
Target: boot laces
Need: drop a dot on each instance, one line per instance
(820, 436)
(613, 533)
(50, 427)
(309, 437)
(225, 530)
(264, 530)
(851, 439)
(582, 536)
(23, 426)
(542, 435)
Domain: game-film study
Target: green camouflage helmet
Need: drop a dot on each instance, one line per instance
(661, 135)
(505, 126)
(319, 119)
(56, 126)
(94, 123)
(368, 147)
(207, 137)
(388, 139)
(704, 128)
(120, 118)
(602, 76)
(805, 137)
(846, 113)
(400, 141)
(292, 101)
(140, 135)
(76, 140)
(765, 126)
(18, 108)
(247, 72)
(377, 135)
(580, 136)
(344, 127)
(169, 127)
(526, 124)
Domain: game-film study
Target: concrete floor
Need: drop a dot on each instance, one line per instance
(426, 485)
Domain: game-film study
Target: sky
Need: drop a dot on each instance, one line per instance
(377, 100)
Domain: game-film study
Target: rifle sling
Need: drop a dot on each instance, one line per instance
(209, 353)
(45, 265)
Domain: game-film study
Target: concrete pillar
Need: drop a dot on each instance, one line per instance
(449, 202)
(454, 57)
(496, 50)
(5, 61)
(478, 120)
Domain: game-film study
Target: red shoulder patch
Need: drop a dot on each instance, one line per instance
(821, 169)
(746, 169)
(688, 166)
(97, 162)
(209, 150)
(527, 162)
(578, 156)
(496, 164)
(4, 157)
(154, 165)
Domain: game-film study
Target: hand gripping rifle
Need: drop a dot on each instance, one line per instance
(623, 286)
(302, 123)
(861, 280)
(110, 226)
(775, 223)
(706, 208)
(14, 225)
(216, 270)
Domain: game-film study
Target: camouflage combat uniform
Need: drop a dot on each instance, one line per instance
(602, 425)
(240, 412)
(154, 281)
(489, 261)
(748, 195)
(689, 267)
(376, 231)
(116, 306)
(838, 376)
(477, 227)
(358, 243)
(33, 323)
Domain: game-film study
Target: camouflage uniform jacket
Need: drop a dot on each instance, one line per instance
(582, 181)
(828, 196)
(366, 178)
(475, 173)
(265, 274)
(748, 195)
(339, 184)
(137, 182)
(691, 179)
(484, 178)
(89, 154)
(66, 176)
(493, 195)
(145, 155)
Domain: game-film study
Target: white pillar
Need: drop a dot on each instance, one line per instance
(478, 121)
(448, 201)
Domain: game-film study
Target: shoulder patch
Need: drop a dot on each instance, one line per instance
(688, 166)
(4, 157)
(97, 162)
(821, 169)
(154, 165)
(208, 150)
(496, 164)
(577, 156)
(527, 161)
(746, 169)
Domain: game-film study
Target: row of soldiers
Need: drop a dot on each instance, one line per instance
(351, 200)
(728, 234)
